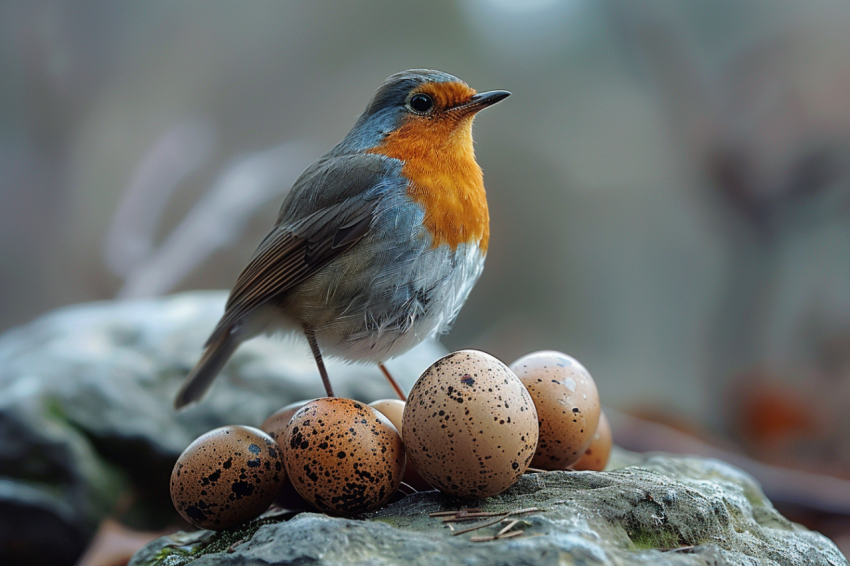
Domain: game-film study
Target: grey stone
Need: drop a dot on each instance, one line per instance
(658, 510)
(86, 419)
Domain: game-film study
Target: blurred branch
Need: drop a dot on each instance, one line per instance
(177, 153)
(807, 489)
(215, 221)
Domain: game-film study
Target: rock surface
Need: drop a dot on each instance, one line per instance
(659, 510)
(86, 413)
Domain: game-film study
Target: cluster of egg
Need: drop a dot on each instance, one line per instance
(471, 427)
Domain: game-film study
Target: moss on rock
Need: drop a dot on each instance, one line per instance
(651, 512)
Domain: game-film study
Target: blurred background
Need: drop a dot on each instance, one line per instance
(669, 185)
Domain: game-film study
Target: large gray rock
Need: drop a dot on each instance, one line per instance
(86, 419)
(660, 510)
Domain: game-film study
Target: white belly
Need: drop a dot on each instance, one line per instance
(379, 310)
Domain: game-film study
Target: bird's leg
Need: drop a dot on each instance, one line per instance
(317, 354)
(398, 390)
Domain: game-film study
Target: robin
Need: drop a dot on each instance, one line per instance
(378, 243)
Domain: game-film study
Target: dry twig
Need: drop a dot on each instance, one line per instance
(449, 513)
(498, 520)
(684, 549)
(511, 525)
(472, 516)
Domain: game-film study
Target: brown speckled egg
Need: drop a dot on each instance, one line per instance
(567, 405)
(393, 409)
(275, 426)
(226, 477)
(469, 425)
(343, 456)
(278, 421)
(595, 458)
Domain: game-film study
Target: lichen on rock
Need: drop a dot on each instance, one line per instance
(659, 510)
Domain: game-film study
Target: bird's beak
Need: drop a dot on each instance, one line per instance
(481, 101)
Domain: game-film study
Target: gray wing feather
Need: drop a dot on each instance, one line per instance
(330, 209)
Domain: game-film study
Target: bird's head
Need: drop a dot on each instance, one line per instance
(425, 107)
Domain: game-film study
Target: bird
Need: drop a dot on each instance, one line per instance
(377, 244)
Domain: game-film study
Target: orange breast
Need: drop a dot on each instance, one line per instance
(439, 161)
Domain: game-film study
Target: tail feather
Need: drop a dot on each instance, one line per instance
(206, 370)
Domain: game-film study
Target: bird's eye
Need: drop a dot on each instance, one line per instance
(421, 103)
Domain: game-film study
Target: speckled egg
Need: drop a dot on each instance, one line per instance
(469, 425)
(343, 456)
(275, 426)
(393, 409)
(226, 477)
(595, 458)
(567, 405)
(278, 421)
